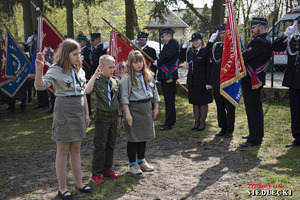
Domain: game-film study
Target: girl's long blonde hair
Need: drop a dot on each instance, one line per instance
(61, 56)
(133, 57)
(203, 45)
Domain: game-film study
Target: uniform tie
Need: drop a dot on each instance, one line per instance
(143, 84)
(74, 81)
(110, 94)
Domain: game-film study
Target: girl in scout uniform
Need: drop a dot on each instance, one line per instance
(70, 116)
(137, 93)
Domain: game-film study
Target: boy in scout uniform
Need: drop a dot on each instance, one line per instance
(108, 117)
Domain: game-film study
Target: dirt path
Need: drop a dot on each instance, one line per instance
(184, 169)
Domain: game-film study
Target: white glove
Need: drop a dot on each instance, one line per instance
(208, 87)
(29, 39)
(290, 29)
(155, 63)
(185, 45)
(214, 36)
(106, 45)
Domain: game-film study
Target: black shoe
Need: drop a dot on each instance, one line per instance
(165, 128)
(248, 144)
(86, 190)
(162, 124)
(228, 135)
(292, 144)
(49, 111)
(245, 137)
(64, 196)
(201, 129)
(221, 133)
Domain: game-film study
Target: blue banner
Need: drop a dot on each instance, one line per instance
(19, 67)
(234, 91)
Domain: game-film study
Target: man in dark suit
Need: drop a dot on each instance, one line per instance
(142, 42)
(168, 74)
(97, 51)
(290, 42)
(86, 65)
(225, 109)
(256, 56)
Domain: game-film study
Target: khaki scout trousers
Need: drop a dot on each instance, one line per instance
(104, 143)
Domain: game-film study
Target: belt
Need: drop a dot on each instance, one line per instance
(74, 96)
(107, 114)
(141, 101)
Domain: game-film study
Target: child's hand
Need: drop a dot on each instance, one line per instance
(154, 113)
(98, 70)
(87, 121)
(119, 122)
(39, 62)
(128, 118)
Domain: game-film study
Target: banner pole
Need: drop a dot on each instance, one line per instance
(138, 48)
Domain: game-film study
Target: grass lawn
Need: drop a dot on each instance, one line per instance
(23, 134)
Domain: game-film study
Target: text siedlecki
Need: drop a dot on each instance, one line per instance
(269, 192)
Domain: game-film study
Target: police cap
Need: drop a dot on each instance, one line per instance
(142, 35)
(95, 35)
(165, 31)
(258, 21)
(222, 28)
(196, 36)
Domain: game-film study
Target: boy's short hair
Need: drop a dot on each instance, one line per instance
(106, 58)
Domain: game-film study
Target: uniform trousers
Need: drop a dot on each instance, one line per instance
(254, 111)
(295, 113)
(169, 91)
(225, 111)
(104, 144)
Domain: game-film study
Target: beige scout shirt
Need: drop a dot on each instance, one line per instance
(132, 93)
(63, 83)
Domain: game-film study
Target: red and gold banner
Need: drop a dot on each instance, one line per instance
(119, 49)
(232, 68)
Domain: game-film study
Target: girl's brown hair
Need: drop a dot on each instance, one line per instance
(135, 56)
(61, 56)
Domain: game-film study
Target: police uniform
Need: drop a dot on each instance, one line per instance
(257, 53)
(197, 77)
(225, 109)
(148, 50)
(292, 79)
(167, 60)
(96, 53)
(105, 123)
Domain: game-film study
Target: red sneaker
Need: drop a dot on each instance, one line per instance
(110, 174)
(97, 179)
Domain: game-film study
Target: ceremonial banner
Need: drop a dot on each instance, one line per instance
(232, 68)
(16, 64)
(119, 50)
(48, 40)
(3, 78)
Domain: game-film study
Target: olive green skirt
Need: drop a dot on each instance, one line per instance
(142, 128)
(68, 119)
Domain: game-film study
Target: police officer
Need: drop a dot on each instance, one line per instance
(256, 56)
(225, 109)
(291, 43)
(142, 42)
(168, 74)
(85, 52)
(97, 51)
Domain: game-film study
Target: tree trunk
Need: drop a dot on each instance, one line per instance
(217, 11)
(28, 28)
(35, 14)
(89, 24)
(70, 23)
(129, 4)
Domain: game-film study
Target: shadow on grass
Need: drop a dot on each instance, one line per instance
(240, 160)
